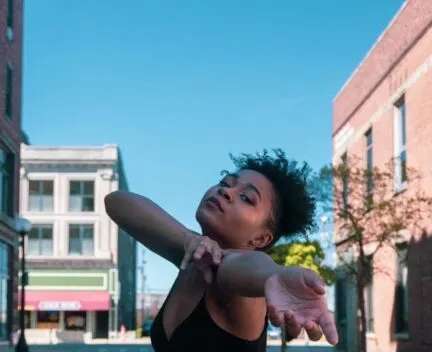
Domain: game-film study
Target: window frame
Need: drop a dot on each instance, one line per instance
(369, 167)
(369, 296)
(81, 233)
(7, 171)
(400, 144)
(82, 195)
(10, 19)
(40, 227)
(40, 195)
(402, 277)
(8, 97)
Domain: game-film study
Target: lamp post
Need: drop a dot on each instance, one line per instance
(23, 227)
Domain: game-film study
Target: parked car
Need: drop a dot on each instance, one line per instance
(273, 332)
(146, 327)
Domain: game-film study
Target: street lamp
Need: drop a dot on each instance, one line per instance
(23, 227)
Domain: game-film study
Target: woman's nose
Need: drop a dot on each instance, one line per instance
(225, 192)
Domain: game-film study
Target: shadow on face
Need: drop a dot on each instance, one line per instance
(235, 212)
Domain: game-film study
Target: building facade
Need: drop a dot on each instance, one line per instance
(11, 14)
(82, 281)
(384, 113)
(148, 304)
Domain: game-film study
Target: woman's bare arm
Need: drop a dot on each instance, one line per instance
(245, 274)
(149, 224)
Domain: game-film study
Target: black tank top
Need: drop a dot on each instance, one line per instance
(199, 333)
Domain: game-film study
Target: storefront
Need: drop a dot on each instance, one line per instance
(5, 290)
(83, 312)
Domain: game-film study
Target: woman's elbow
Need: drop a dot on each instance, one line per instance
(112, 201)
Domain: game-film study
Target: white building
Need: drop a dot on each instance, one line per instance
(76, 256)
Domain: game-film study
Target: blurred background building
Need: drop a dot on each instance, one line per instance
(11, 18)
(383, 112)
(82, 281)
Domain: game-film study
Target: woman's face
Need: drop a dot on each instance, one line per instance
(235, 211)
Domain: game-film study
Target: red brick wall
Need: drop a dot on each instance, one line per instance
(414, 18)
(10, 130)
(374, 85)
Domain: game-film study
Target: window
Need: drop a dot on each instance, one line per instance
(10, 19)
(345, 181)
(8, 92)
(81, 196)
(369, 167)
(40, 240)
(41, 196)
(81, 239)
(341, 312)
(47, 319)
(401, 323)
(5, 291)
(400, 153)
(6, 183)
(75, 321)
(368, 294)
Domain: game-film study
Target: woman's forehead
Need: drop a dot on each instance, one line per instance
(255, 178)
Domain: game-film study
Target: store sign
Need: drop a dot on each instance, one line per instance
(52, 305)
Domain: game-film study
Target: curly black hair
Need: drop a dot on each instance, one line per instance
(294, 208)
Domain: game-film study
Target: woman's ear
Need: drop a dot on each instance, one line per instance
(263, 239)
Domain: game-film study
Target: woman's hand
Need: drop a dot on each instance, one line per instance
(205, 253)
(296, 300)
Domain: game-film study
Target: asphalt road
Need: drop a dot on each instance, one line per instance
(142, 348)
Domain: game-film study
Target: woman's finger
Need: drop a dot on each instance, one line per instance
(216, 254)
(315, 282)
(275, 317)
(186, 259)
(292, 325)
(328, 326)
(190, 247)
(199, 251)
(313, 330)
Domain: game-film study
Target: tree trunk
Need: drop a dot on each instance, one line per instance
(361, 347)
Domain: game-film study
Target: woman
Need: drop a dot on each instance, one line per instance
(228, 287)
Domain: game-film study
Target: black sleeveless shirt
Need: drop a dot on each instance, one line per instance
(199, 333)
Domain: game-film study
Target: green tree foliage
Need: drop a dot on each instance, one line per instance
(307, 254)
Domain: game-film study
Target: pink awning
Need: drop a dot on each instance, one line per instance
(67, 300)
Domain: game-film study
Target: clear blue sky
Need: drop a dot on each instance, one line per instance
(181, 84)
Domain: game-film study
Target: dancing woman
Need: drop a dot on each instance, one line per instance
(227, 287)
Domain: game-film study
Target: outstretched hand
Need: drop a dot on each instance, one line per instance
(296, 300)
(205, 253)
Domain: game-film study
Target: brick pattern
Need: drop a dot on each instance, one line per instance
(10, 130)
(395, 58)
(409, 25)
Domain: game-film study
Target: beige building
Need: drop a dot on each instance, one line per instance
(76, 256)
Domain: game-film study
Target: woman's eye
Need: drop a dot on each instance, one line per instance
(223, 184)
(246, 199)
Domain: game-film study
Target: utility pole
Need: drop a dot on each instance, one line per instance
(143, 287)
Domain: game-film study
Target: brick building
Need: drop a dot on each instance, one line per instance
(11, 14)
(384, 112)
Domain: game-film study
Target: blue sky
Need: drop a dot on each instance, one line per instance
(178, 85)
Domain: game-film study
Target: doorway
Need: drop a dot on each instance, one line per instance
(101, 331)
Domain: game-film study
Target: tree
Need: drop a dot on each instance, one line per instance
(371, 212)
(308, 254)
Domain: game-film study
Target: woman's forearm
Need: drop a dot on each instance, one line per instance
(245, 274)
(148, 223)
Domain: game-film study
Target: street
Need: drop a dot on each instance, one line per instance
(142, 348)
